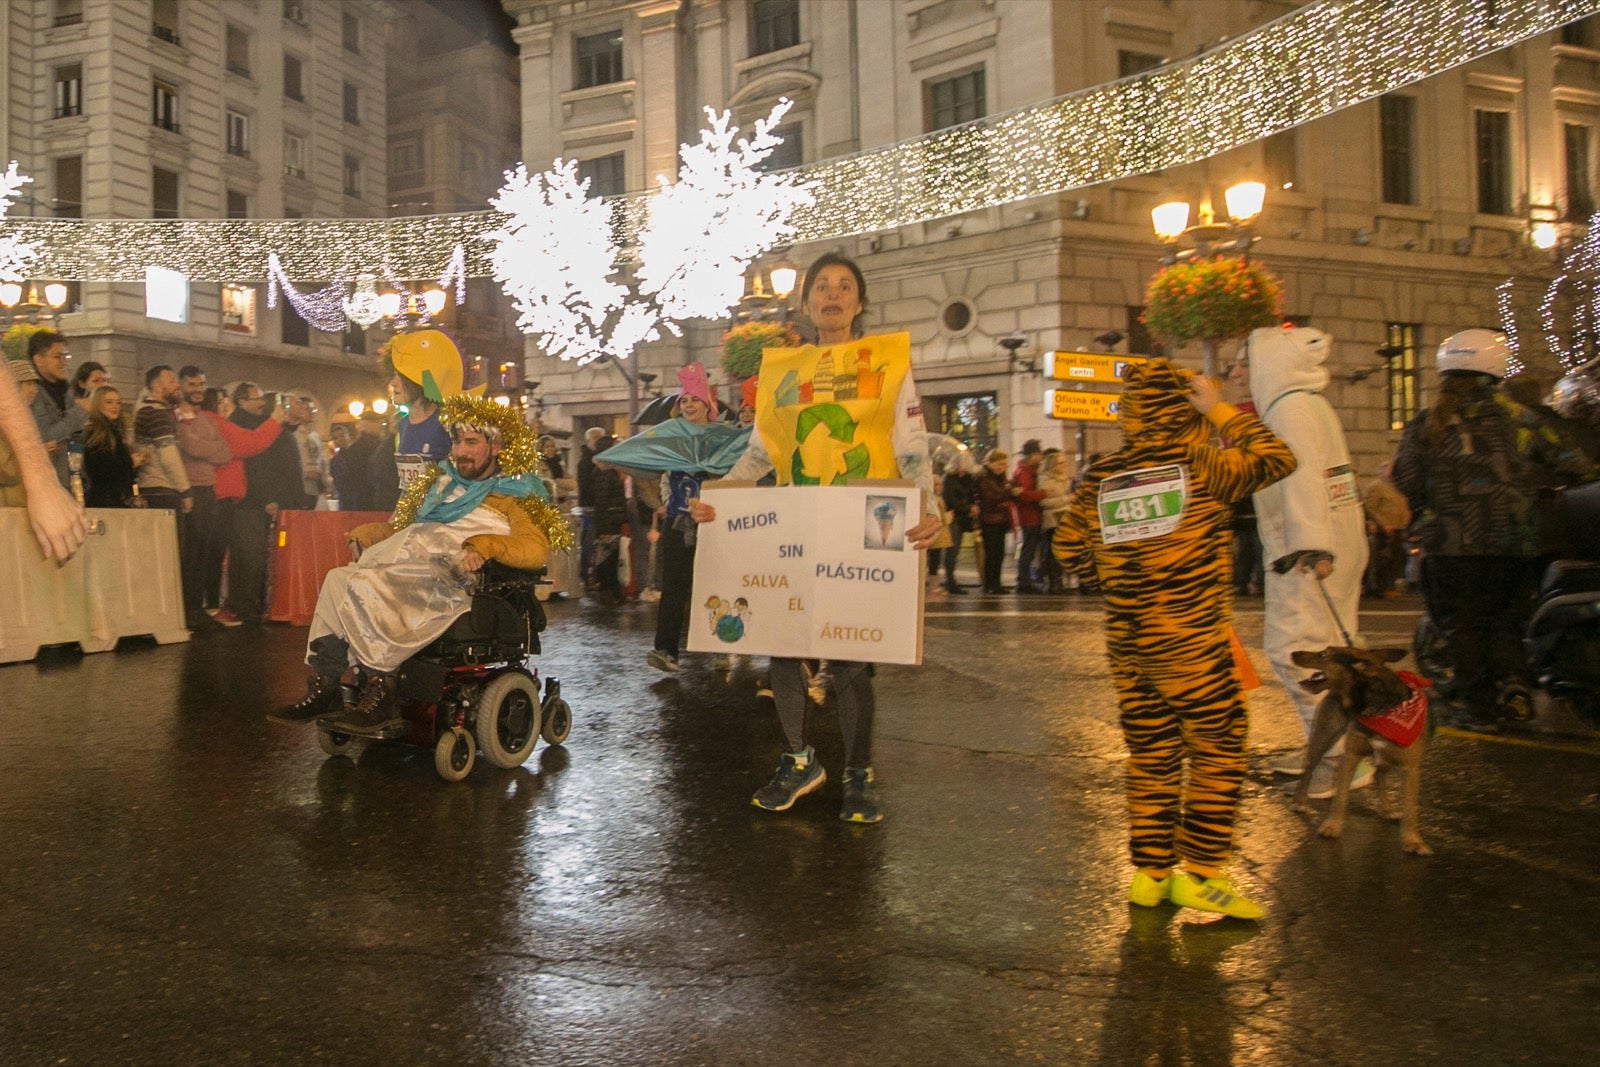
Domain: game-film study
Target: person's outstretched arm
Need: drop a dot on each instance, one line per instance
(56, 518)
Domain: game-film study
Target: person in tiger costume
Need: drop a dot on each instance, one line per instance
(1150, 523)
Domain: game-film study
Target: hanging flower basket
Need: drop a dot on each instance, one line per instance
(1211, 299)
(743, 344)
(15, 341)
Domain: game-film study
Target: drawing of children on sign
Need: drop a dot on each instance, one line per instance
(727, 621)
(886, 523)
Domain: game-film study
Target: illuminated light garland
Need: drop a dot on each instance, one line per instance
(558, 262)
(323, 309)
(1310, 63)
(1508, 325)
(16, 254)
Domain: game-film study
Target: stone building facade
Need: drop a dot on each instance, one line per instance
(1390, 223)
(169, 109)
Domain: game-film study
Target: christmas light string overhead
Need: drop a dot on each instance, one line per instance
(1309, 63)
(558, 261)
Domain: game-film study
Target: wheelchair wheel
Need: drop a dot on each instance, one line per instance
(454, 755)
(334, 743)
(557, 721)
(508, 719)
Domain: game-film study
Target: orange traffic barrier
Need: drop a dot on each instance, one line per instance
(306, 546)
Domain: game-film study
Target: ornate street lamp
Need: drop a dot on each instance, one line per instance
(32, 309)
(1209, 237)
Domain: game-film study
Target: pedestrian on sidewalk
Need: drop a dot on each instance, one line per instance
(1149, 522)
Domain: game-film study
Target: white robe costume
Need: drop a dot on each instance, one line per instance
(400, 594)
(1317, 508)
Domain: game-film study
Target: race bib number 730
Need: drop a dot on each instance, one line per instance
(1142, 504)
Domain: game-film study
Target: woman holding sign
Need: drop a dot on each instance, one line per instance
(834, 297)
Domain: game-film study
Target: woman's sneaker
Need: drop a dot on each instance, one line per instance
(860, 799)
(1210, 894)
(797, 775)
(662, 661)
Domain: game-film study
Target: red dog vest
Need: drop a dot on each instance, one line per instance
(1403, 723)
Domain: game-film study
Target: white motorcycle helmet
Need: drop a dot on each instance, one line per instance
(1482, 351)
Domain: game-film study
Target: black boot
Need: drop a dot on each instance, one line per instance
(322, 698)
(374, 714)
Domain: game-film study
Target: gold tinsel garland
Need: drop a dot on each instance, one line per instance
(519, 454)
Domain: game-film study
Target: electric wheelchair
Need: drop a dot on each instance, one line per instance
(472, 691)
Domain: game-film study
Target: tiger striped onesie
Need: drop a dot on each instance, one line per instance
(1152, 523)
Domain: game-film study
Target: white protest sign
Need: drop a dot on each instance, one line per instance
(811, 572)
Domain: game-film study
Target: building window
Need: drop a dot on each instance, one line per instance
(352, 104)
(1577, 34)
(69, 90)
(293, 77)
(1131, 63)
(774, 25)
(604, 175)
(294, 329)
(952, 101)
(1402, 380)
(790, 153)
(352, 33)
(405, 157)
(68, 12)
(973, 419)
(599, 59)
(166, 295)
(352, 176)
(238, 134)
(237, 55)
(163, 193)
(1579, 167)
(1279, 157)
(294, 155)
(355, 340)
(1494, 161)
(164, 20)
(1397, 132)
(164, 106)
(238, 205)
(239, 309)
(69, 187)
(295, 12)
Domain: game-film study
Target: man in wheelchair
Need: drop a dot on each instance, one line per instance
(413, 575)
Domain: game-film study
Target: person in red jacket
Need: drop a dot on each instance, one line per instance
(1025, 497)
(240, 445)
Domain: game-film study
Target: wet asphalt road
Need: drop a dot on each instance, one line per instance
(186, 883)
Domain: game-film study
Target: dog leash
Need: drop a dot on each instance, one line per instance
(1326, 599)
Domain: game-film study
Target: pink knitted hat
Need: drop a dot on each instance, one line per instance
(692, 380)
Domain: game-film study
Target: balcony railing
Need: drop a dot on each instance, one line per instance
(167, 124)
(69, 111)
(294, 172)
(239, 150)
(69, 20)
(239, 69)
(165, 33)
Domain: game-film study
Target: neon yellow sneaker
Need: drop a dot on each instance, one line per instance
(1211, 894)
(1148, 892)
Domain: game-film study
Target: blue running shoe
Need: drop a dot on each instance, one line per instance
(797, 775)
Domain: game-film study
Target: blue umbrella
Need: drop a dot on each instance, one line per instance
(680, 445)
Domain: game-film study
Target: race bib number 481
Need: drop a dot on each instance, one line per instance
(1142, 504)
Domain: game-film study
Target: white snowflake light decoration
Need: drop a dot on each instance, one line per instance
(557, 259)
(16, 255)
